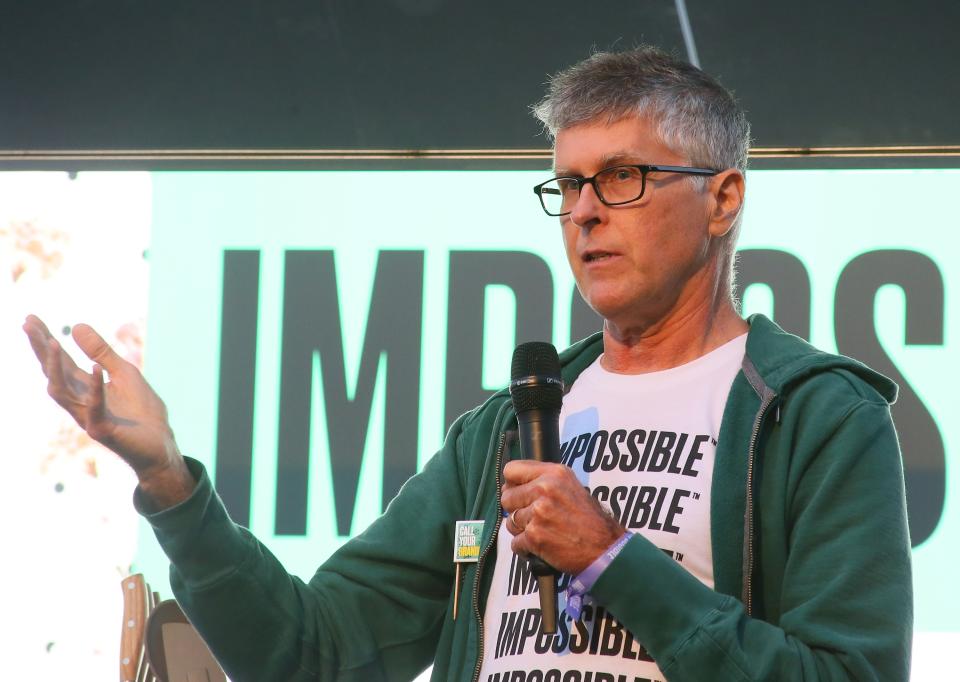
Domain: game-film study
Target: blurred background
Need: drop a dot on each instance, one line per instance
(310, 223)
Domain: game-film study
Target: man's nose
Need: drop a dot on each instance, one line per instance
(588, 209)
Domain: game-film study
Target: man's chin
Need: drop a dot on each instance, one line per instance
(610, 311)
(608, 303)
(620, 314)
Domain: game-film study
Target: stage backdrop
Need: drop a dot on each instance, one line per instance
(314, 333)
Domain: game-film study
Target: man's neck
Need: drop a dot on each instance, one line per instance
(688, 332)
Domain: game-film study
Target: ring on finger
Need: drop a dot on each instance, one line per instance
(513, 520)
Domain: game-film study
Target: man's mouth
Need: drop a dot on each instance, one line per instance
(594, 256)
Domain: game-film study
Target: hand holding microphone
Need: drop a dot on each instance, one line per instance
(537, 393)
(554, 520)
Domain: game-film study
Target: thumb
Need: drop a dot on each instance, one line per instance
(95, 348)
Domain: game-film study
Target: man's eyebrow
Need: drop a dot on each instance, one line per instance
(619, 158)
(606, 161)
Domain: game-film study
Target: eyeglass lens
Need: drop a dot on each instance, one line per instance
(616, 185)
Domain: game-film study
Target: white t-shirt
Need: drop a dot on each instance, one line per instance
(644, 445)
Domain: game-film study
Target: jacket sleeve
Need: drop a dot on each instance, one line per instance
(373, 611)
(845, 602)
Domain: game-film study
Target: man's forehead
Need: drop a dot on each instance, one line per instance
(598, 144)
(613, 158)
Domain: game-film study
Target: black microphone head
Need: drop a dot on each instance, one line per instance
(535, 382)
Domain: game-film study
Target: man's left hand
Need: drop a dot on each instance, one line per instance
(552, 516)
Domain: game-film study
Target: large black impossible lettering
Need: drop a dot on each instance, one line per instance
(636, 450)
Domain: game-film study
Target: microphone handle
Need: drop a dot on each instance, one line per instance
(540, 441)
(540, 434)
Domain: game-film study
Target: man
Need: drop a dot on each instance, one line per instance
(730, 503)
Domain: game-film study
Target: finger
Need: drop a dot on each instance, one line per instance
(53, 366)
(98, 401)
(521, 471)
(528, 481)
(95, 348)
(517, 497)
(38, 335)
(60, 369)
(34, 323)
(51, 363)
(57, 386)
(526, 494)
(520, 544)
(47, 348)
(39, 345)
(513, 523)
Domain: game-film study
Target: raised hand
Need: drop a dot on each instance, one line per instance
(125, 414)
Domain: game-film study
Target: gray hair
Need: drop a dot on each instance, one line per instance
(692, 113)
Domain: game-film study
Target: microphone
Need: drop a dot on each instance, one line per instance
(537, 393)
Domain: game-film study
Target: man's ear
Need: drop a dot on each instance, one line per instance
(727, 188)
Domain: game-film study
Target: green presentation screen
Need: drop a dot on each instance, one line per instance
(314, 333)
(361, 311)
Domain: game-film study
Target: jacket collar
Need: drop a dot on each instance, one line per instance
(783, 360)
(780, 358)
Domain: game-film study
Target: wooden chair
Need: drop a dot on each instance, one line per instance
(158, 643)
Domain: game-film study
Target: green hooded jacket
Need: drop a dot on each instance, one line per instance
(811, 553)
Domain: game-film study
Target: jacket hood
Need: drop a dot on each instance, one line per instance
(578, 357)
(781, 359)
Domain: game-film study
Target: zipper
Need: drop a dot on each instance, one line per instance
(501, 446)
(751, 456)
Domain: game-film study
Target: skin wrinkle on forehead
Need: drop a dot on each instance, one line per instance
(621, 157)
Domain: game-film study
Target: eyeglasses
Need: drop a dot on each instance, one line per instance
(614, 186)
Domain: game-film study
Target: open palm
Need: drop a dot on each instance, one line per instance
(125, 414)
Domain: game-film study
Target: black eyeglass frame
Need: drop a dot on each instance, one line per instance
(644, 169)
